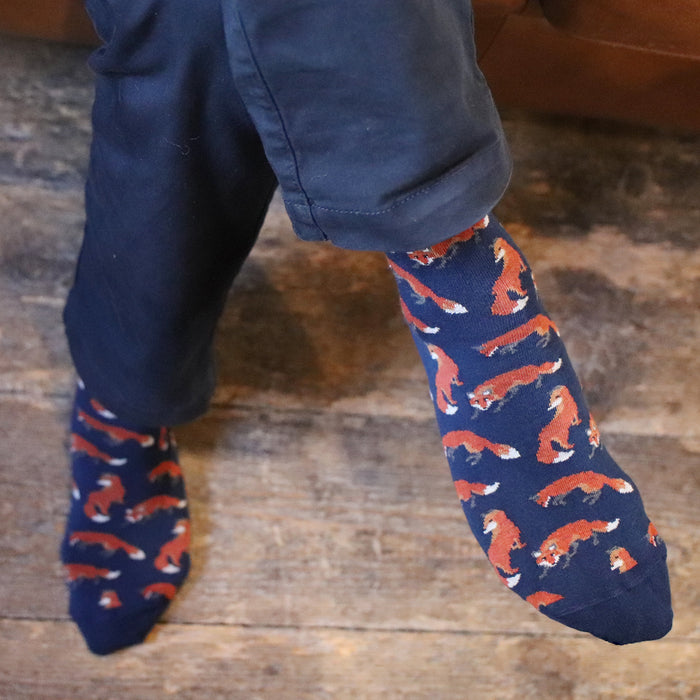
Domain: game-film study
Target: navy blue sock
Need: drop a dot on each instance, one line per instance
(563, 526)
(125, 549)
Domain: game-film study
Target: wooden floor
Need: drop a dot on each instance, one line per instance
(331, 559)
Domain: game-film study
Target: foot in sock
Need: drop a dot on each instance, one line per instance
(561, 523)
(125, 549)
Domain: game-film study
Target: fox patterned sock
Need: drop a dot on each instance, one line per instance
(125, 549)
(563, 526)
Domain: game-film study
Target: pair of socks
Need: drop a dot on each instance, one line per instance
(562, 525)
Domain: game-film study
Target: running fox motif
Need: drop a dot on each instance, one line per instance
(508, 282)
(564, 542)
(505, 537)
(496, 390)
(416, 322)
(593, 434)
(78, 572)
(101, 410)
(167, 468)
(424, 292)
(475, 445)
(110, 600)
(591, 483)
(427, 256)
(542, 599)
(99, 502)
(152, 505)
(110, 543)
(169, 558)
(446, 376)
(168, 590)
(80, 444)
(466, 490)
(116, 433)
(557, 431)
(539, 325)
(653, 535)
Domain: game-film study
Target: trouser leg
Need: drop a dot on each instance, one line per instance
(176, 192)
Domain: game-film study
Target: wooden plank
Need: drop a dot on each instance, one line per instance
(45, 99)
(318, 519)
(218, 661)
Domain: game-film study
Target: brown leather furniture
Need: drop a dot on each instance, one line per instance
(634, 60)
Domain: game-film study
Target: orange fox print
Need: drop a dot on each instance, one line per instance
(476, 445)
(101, 410)
(593, 434)
(542, 599)
(591, 483)
(621, 560)
(151, 506)
(446, 376)
(497, 389)
(413, 321)
(168, 590)
(421, 290)
(169, 559)
(165, 439)
(78, 572)
(99, 502)
(115, 432)
(428, 256)
(653, 535)
(167, 468)
(79, 444)
(565, 541)
(557, 431)
(466, 489)
(508, 284)
(505, 537)
(110, 600)
(110, 543)
(541, 325)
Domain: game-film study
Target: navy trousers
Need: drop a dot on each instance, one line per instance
(372, 117)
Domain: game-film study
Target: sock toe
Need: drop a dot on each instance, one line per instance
(639, 614)
(119, 632)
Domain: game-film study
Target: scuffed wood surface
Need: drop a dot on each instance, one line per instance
(195, 661)
(331, 559)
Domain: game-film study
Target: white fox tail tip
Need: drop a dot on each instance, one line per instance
(170, 569)
(521, 304)
(612, 525)
(513, 581)
(512, 453)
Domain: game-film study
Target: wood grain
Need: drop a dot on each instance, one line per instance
(221, 661)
